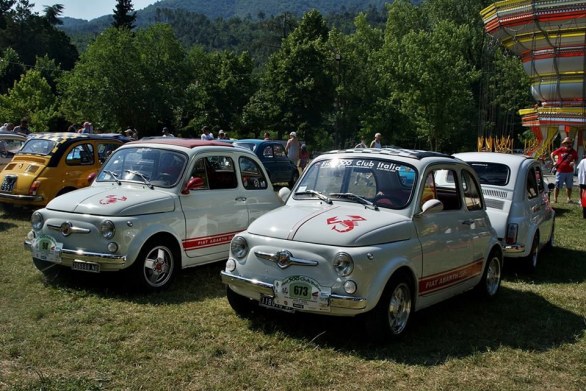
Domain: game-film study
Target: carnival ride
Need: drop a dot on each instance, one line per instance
(550, 38)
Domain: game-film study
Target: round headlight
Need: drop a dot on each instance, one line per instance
(107, 229)
(37, 220)
(239, 247)
(343, 264)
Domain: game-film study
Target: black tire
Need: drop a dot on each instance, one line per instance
(155, 267)
(293, 179)
(491, 277)
(391, 316)
(243, 306)
(532, 259)
(49, 269)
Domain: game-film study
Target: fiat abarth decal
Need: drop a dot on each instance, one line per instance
(344, 225)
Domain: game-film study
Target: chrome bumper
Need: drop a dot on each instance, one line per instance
(21, 197)
(264, 288)
(513, 249)
(108, 262)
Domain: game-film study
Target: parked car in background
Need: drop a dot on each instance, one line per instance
(51, 164)
(156, 207)
(10, 143)
(356, 237)
(517, 200)
(273, 157)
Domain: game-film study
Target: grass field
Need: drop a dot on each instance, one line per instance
(87, 332)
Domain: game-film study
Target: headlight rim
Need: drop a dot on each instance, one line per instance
(110, 230)
(241, 251)
(347, 259)
(37, 225)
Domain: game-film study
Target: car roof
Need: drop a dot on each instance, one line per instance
(11, 135)
(493, 157)
(415, 154)
(182, 142)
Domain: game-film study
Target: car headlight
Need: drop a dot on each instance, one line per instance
(37, 220)
(107, 229)
(239, 247)
(343, 264)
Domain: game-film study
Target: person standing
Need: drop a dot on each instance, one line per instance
(582, 183)
(303, 157)
(22, 128)
(361, 144)
(166, 132)
(206, 134)
(87, 128)
(376, 143)
(564, 159)
(267, 136)
(292, 148)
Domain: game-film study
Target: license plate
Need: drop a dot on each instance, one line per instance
(8, 183)
(269, 302)
(302, 293)
(86, 266)
(47, 249)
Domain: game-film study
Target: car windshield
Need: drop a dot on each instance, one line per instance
(151, 166)
(496, 174)
(382, 183)
(38, 146)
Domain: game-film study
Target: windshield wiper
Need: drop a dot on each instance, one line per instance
(113, 175)
(144, 178)
(354, 197)
(319, 195)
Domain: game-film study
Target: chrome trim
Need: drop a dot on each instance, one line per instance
(21, 197)
(513, 248)
(67, 229)
(86, 256)
(336, 300)
(284, 259)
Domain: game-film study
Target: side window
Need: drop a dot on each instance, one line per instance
(539, 179)
(82, 154)
(532, 189)
(251, 174)
(199, 171)
(221, 173)
(104, 150)
(442, 185)
(279, 150)
(268, 152)
(471, 192)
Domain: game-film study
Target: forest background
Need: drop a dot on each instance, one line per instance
(425, 75)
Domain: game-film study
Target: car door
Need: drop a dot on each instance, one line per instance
(537, 204)
(215, 211)
(445, 236)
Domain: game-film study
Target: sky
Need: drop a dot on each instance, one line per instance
(87, 9)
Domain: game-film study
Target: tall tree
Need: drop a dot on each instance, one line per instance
(124, 15)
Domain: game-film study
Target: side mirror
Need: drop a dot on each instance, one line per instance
(91, 178)
(284, 193)
(192, 184)
(432, 206)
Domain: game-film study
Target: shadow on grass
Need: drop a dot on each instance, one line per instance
(558, 265)
(194, 284)
(459, 327)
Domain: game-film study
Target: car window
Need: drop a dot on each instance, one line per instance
(539, 178)
(251, 174)
(221, 172)
(496, 174)
(199, 171)
(442, 185)
(279, 150)
(105, 150)
(80, 154)
(267, 151)
(532, 188)
(471, 192)
(38, 146)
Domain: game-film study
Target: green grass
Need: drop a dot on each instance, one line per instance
(87, 332)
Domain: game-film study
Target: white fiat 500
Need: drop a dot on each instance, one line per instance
(517, 202)
(156, 206)
(370, 232)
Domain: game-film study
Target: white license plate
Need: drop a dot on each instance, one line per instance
(302, 293)
(269, 302)
(86, 266)
(47, 249)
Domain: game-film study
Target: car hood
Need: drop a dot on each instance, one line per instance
(115, 201)
(335, 225)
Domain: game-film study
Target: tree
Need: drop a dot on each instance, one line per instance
(124, 15)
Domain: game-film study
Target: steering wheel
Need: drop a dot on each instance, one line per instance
(386, 200)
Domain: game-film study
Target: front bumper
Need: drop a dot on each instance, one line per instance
(264, 288)
(20, 197)
(513, 250)
(107, 262)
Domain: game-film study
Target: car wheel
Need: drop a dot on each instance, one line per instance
(550, 243)
(293, 179)
(243, 306)
(49, 269)
(532, 259)
(391, 316)
(491, 278)
(155, 267)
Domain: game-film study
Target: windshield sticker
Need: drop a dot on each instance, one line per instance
(362, 163)
(112, 199)
(344, 225)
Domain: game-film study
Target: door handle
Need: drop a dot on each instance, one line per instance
(240, 198)
(468, 222)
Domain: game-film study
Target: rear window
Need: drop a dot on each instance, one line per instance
(495, 174)
(38, 146)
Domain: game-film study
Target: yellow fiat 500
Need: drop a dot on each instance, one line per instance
(51, 164)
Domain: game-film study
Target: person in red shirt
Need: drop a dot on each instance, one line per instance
(564, 159)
